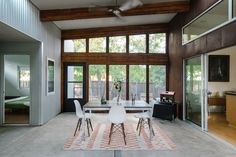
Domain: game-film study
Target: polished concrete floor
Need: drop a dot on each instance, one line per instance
(48, 140)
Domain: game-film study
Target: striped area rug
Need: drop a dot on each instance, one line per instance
(99, 138)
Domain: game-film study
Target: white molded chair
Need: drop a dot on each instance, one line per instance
(145, 118)
(81, 116)
(117, 117)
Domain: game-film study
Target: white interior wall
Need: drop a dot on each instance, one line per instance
(23, 16)
(225, 86)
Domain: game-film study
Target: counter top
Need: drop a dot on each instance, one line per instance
(230, 93)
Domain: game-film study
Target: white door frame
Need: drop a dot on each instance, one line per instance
(2, 83)
(2, 88)
(205, 92)
(204, 82)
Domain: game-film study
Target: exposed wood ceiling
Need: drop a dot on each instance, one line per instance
(77, 14)
(113, 31)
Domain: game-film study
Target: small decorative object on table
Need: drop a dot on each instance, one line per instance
(133, 98)
(118, 87)
(103, 101)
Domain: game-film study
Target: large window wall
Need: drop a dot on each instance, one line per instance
(139, 60)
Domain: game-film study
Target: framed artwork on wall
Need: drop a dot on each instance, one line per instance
(50, 76)
(218, 68)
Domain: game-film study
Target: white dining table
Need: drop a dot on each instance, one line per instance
(137, 105)
(128, 105)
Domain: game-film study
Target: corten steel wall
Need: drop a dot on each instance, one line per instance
(218, 39)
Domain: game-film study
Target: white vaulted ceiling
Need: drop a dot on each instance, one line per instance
(101, 22)
(113, 21)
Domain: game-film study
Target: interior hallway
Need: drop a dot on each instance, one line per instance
(48, 141)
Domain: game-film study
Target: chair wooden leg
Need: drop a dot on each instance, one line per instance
(76, 127)
(140, 126)
(90, 124)
(149, 125)
(111, 129)
(123, 131)
(138, 123)
(80, 122)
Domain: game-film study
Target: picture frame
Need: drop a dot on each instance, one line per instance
(50, 76)
(218, 70)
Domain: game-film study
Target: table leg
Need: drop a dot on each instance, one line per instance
(83, 127)
(117, 153)
(151, 128)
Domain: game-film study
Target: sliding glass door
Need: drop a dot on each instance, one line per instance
(193, 89)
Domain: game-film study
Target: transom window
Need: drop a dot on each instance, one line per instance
(97, 45)
(157, 43)
(137, 43)
(119, 44)
(207, 21)
(78, 45)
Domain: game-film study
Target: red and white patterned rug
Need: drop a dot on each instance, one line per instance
(99, 138)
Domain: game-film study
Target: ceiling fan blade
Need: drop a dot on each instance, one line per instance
(95, 8)
(117, 13)
(130, 4)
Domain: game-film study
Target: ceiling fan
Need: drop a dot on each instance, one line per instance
(117, 10)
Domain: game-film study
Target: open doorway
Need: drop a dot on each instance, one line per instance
(17, 89)
(222, 94)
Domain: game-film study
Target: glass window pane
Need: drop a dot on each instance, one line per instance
(97, 45)
(214, 17)
(24, 76)
(137, 43)
(117, 44)
(75, 82)
(78, 45)
(234, 8)
(193, 89)
(75, 90)
(157, 43)
(117, 73)
(97, 82)
(137, 84)
(157, 81)
(75, 73)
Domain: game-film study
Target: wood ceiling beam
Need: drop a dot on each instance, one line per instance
(114, 31)
(84, 13)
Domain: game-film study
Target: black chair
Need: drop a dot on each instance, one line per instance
(165, 110)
